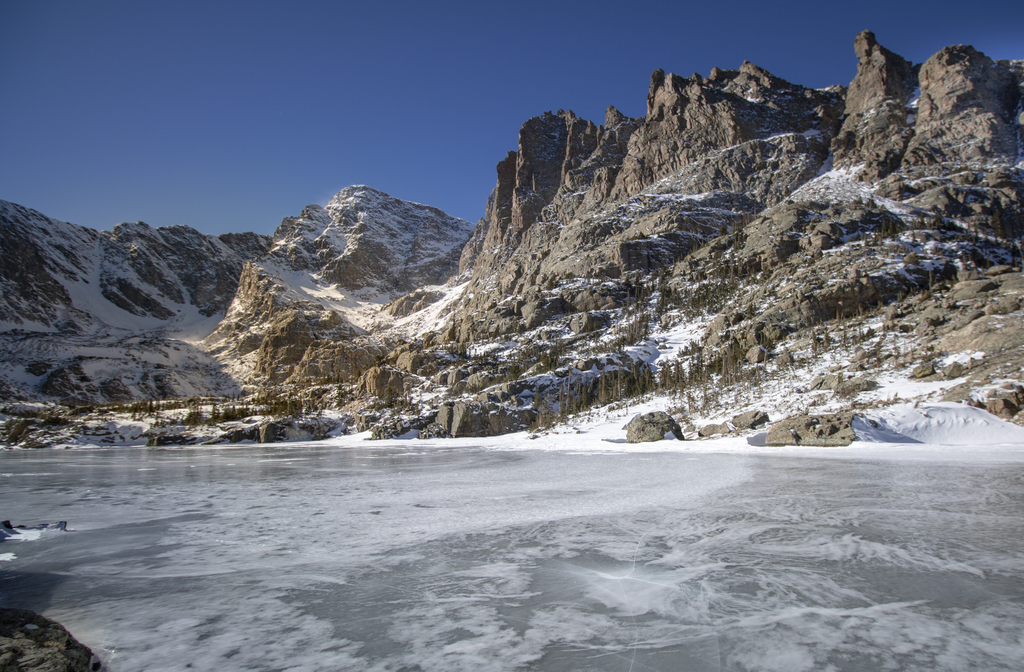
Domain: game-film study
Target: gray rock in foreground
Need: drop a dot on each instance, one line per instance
(652, 427)
(813, 430)
(33, 643)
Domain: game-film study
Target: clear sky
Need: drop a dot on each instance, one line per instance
(229, 116)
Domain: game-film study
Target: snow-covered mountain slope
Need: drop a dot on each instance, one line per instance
(302, 309)
(372, 244)
(61, 277)
(106, 315)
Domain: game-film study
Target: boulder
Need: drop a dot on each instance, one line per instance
(713, 430)
(479, 380)
(454, 376)
(295, 430)
(411, 361)
(924, 370)
(652, 427)
(16, 429)
(972, 289)
(582, 323)
(757, 354)
(33, 643)
(365, 421)
(175, 439)
(828, 382)
(854, 387)
(251, 433)
(271, 432)
(536, 313)
(390, 428)
(750, 420)
(813, 430)
(953, 370)
(434, 430)
(1002, 408)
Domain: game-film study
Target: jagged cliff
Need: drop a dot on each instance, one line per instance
(631, 195)
(749, 210)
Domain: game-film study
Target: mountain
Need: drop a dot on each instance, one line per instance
(303, 309)
(745, 230)
(169, 312)
(111, 315)
(635, 195)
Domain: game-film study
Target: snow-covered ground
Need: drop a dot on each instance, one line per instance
(947, 432)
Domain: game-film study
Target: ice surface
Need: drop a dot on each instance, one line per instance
(371, 556)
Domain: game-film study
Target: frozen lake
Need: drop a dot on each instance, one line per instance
(319, 557)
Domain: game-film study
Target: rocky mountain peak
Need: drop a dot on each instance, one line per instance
(612, 117)
(881, 76)
(368, 241)
(966, 111)
(301, 309)
(958, 107)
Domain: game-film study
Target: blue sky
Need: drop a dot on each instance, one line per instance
(229, 116)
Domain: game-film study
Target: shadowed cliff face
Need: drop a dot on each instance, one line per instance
(110, 315)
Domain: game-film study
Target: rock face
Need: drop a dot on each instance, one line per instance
(689, 117)
(372, 244)
(875, 131)
(958, 107)
(462, 419)
(639, 194)
(967, 109)
(652, 427)
(32, 643)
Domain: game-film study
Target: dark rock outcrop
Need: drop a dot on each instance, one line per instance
(750, 420)
(97, 312)
(33, 643)
(462, 418)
